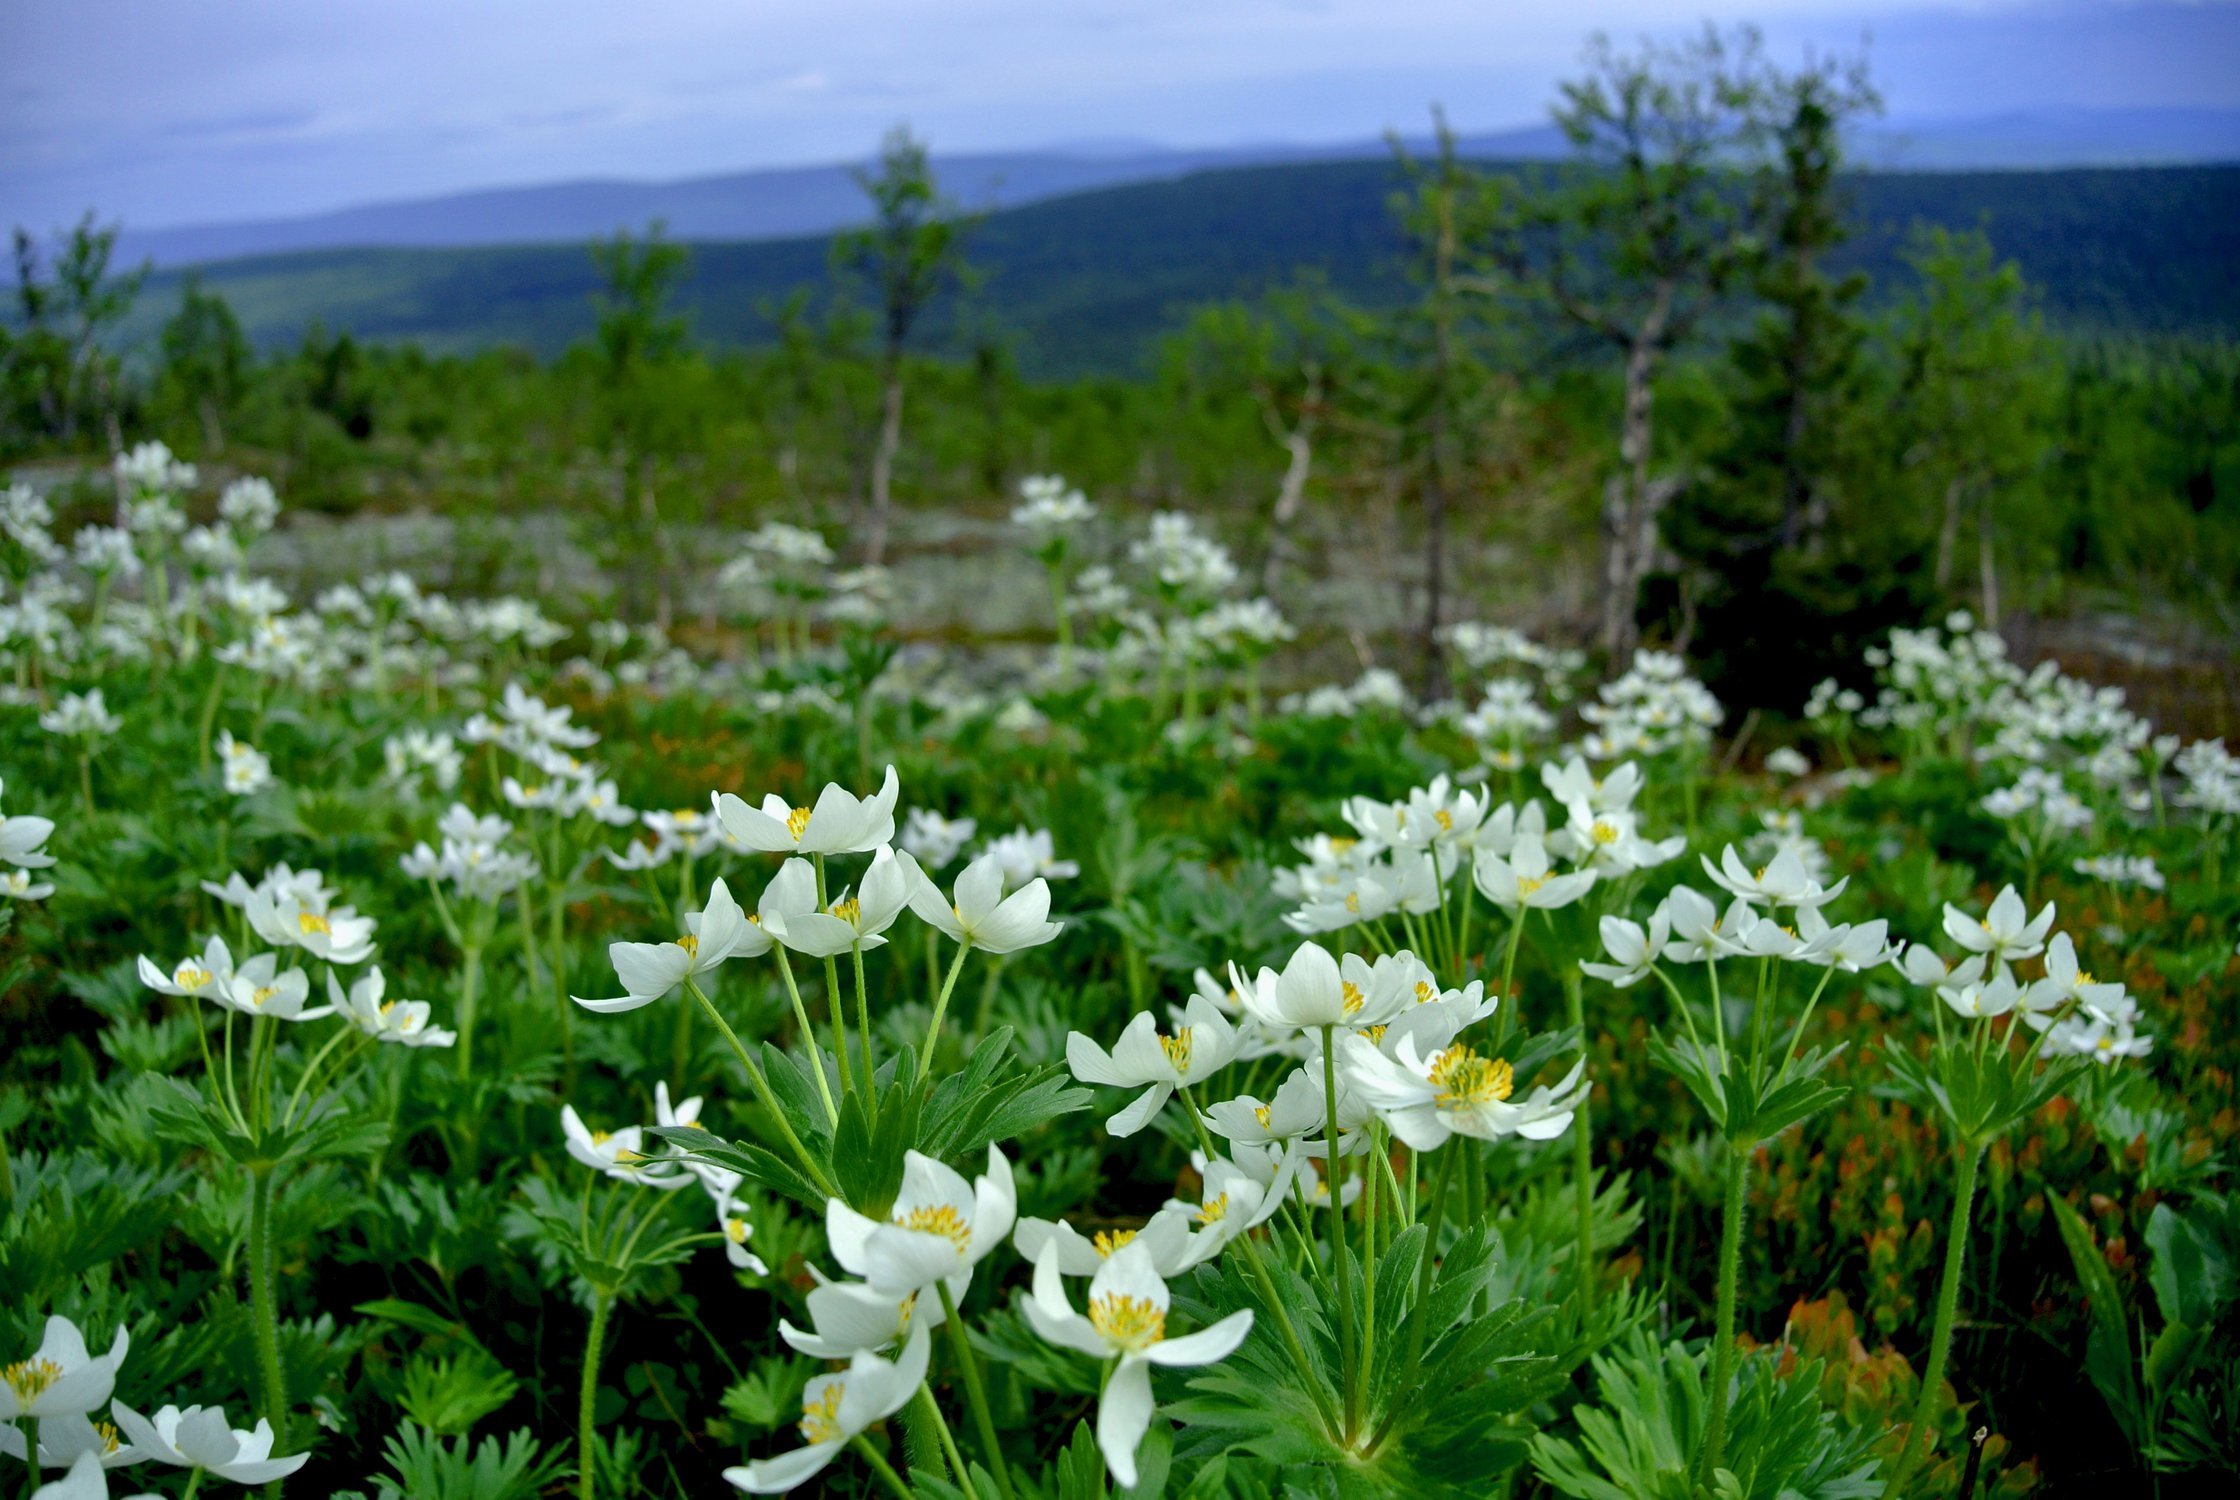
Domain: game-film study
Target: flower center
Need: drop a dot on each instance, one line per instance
(1214, 1209)
(1129, 1322)
(1177, 1048)
(942, 1219)
(797, 823)
(1605, 833)
(1527, 884)
(689, 944)
(735, 1230)
(820, 1415)
(1109, 1240)
(27, 1378)
(1353, 997)
(263, 993)
(1467, 1081)
(1425, 994)
(188, 977)
(849, 911)
(311, 921)
(1261, 1113)
(1444, 819)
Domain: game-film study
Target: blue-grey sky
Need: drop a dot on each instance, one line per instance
(183, 111)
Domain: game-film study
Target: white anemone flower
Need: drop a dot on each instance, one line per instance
(839, 823)
(834, 1409)
(199, 1438)
(1165, 1236)
(1315, 990)
(402, 1022)
(17, 885)
(21, 838)
(2065, 981)
(620, 1154)
(732, 1224)
(2004, 933)
(1296, 1110)
(1783, 881)
(68, 1438)
(61, 1378)
(934, 840)
(1154, 1061)
(1232, 1200)
(982, 916)
(1575, 782)
(1127, 1323)
(852, 920)
(293, 917)
(192, 977)
(85, 1481)
(255, 989)
(1926, 967)
(847, 1318)
(1985, 998)
(649, 971)
(1455, 1091)
(940, 1226)
(1633, 949)
(1522, 879)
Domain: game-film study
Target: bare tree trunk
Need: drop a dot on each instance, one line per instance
(213, 432)
(882, 464)
(1629, 507)
(1290, 497)
(1948, 535)
(1987, 557)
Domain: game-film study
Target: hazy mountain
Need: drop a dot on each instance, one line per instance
(1087, 281)
(774, 204)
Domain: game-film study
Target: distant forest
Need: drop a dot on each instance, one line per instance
(1087, 284)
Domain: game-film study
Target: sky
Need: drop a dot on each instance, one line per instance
(167, 112)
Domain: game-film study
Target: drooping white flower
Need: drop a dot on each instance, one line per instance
(1154, 1061)
(2004, 933)
(982, 916)
(847, 1318)
(839, 823)
(851, 921)
(834, 1408)
(402, 1022)
(940, 1226)
(1126, 1322)
(649, 971)
(1783, 881)
(1165, 1236)
(1632, 949)
(620, 1154)
(199, 1438)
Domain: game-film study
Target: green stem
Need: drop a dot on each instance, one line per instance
(1722, 1338)
(1419, 1316)
(808, 1037)
(761, 1086)
(885, 1470)
(1338, 1258)
(1919, 1435)
(1582, 1149)
(267, 1317)
(863, 1028)
(940, 1008)
(586, 1465)
(470, 987)
(975, 1391)
(947, 1440)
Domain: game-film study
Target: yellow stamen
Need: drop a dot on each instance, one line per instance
(311, 921)
(1527, 884)
(797, 823)
(1353, 997)
(1266, 1120)
(27, 1378)
(1444, 819)
(1177, 1048)
(735, 1230)
(1465, 1080)
(1109, 1240)
(188, 977)
(1604, 833)
(942, 1219)
(849, 911)
(820, 1415)
(689, 944)
(1425, 992)
(1214, 1209)
(1130, 1322)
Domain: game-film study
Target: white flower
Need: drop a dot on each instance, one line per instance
(834, 1408)
(849, 1318)
(1983, 999)
(247, 771)
(649, 971)
(1126, 1322)
(1522, 880)
(1296, 1110)
(1165, 1236)
(2064, 982)
(1573, 782)
(17, 885)
(850, 921)
(2005, 933)
(840, 823)
(84, 714)
(194, 976)
(1632, 949)
(1922, 964)
(619, 1154)
(934, 840)
(60, 1378)
(198, 1438)
(1146, 1058)
(404, 1022)
(255, 989)
(940, 1226)
(85, 1481)
(1309, 993)
(1023, 855)
(21, 838)
(1455, 1091)
(731, 1223)
(292, 916)
(1782, 882)
(1232, 1200)
(1786, 761)
(982, 916)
